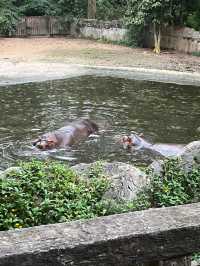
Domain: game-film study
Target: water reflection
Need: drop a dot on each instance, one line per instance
(164, 112)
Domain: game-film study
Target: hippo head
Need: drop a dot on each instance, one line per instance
(133, 140)
(45, 143)
(91, 126)
(127, 142)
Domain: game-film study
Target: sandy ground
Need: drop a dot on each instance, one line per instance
(78, 51)
(29, 56)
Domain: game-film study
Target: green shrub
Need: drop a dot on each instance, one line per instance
(8, 17)
(45, 193)
(193, 20)
(196, 54)
(175, 187)
(110, 9)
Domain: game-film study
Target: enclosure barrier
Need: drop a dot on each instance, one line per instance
(41, 26)
(151, 236)
(181, 39)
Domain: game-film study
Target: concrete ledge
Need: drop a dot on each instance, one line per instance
(125, 239)
(139, 73)
(11, 73)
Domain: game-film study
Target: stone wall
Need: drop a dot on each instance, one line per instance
(126, 239)
(185, 40)
(94, 29)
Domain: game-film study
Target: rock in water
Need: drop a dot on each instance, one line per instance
(126, 180)
(190, 156)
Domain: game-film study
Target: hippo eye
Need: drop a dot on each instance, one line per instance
(50, 141)
(129, 140)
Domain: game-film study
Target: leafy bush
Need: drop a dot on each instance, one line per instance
(196, 54)
(8, 17)
(193, 20)
(35, 7)
(110, 9)
(175, 187)
(45, 193)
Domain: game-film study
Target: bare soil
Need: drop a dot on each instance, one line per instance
(81, 51)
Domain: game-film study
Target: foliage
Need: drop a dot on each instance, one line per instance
(8, 17)
(175, 187)
(45, 193)
(48, 193)
(142, 13)
(70, 8)
(196, 54)
(110, 9)
(193, 20)
(196, 257)
(192, 14)
(35, 7)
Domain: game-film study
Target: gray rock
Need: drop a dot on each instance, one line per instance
(198, 130)
(10, 171)
(156, 167)
(126, 180)
(190, 156)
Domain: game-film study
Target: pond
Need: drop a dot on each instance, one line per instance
(165, 113)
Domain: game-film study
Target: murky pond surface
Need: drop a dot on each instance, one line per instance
(165, 113)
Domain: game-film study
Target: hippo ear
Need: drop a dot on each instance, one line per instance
(129, 139)
(34, 143)
(124, 139)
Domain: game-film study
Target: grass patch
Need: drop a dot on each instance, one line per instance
(125, 42)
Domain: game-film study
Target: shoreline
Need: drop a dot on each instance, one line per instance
(19, 73)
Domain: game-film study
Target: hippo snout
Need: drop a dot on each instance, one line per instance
(42, 145)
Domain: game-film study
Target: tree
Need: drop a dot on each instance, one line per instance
(91, 9)
(156, 13)
(8, 16)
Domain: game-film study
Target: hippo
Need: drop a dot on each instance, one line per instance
(136, 141)
(66, 136)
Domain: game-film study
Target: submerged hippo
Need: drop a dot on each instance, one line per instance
(66, 136)
(135, 141)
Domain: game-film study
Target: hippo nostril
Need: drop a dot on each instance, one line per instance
(41, 147)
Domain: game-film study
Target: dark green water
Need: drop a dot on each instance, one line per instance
(165, 113)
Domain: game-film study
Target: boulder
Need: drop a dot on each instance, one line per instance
(198, 130)
(126, 180)
(157, 167)
(11, 170)
(190, 156)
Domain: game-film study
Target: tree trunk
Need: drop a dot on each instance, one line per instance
(91, 9)
(157, 38)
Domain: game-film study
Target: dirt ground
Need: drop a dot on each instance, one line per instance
(80, 51)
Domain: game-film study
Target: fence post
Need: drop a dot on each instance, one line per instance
(91, 9)
(49, 27)
(26, 26)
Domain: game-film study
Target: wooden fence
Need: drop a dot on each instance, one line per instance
(41, 26)
(164, 236)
